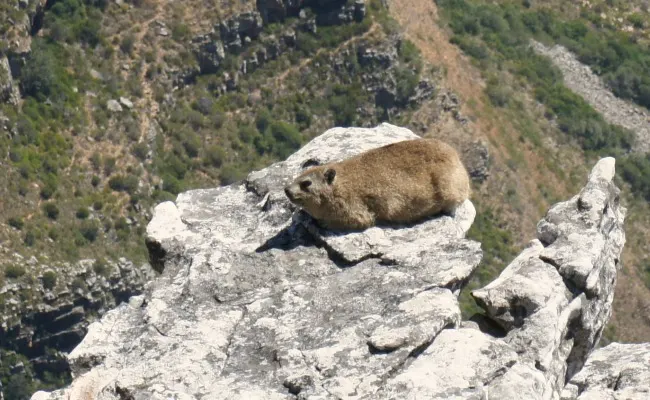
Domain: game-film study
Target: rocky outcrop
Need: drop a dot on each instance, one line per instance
(277, 10)
(49, 309)
(242, 28)
(244, 33)
(580, 79)
(618, 371)
(343, 14)
(8, 88)
(255, 301)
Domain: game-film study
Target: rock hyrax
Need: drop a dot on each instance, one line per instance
(403, 182)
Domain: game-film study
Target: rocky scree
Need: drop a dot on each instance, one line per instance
(255, 301)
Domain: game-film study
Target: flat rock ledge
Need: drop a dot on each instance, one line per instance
(254, 301)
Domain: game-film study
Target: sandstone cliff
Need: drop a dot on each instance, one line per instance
(255, 303)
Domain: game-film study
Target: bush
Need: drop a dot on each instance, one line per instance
(49, 280)
(19, 386)
(38, 76)
(230, 174)
(49, 188)
(51, 210)
(192, 144)
(30, 239)
(123, 183)
(128, 43)
(53, 233)
(171, 184)
(14, 271)
(101, 268)
(140, 151)
(89, 230)
(98, 205)
(122, 225)
(95, 180)
(16, 222)
(498, 95)
(215, 156)
(635, 169)
(109, 165)
(82, 213)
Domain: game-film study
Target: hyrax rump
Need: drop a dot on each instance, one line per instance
(403, 182)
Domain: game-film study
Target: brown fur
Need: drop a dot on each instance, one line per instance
(403, 182)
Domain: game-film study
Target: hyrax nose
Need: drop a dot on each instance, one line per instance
(288, 193)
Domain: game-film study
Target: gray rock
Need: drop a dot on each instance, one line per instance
(476, 157)
(251, 305)
(113, 106)
(254, 301)
(278, 10)
(235, 29)
(126, 102)
(209, 53)
(8, 88)
(618, 371)
(555, 298)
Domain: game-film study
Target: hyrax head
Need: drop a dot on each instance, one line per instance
(310, 189)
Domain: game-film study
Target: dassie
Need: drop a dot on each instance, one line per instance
(403, 182)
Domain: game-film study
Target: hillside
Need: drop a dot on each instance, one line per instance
(108, 108)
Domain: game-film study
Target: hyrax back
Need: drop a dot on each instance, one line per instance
(402, 182)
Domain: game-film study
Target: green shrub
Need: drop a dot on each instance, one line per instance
(122, 225)
(215, 156)
(127, 44)
(16, 222)
(38, 76)
(140, 151)
(82, 213)
(53, 234)
(95, 180)
(51, 210)
(30, 239)
(230, 174)
(19, 386)
(303, 117)
(98, 205)
(96, 161)
(13, 271)
(171, 184)
(89, 230)
(498, 95)
(50, 184)
(123, 183)
(192, 144)
(101, 268)
(109, 165)
(49, 280)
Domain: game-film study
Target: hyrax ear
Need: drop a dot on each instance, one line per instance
(330, 174)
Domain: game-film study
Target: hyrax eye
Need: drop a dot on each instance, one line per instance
(304, 185)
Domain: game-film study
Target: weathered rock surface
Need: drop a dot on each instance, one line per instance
(8, 87)
(255, 301)
(618, 371)
(52, 310)
(579, 78)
